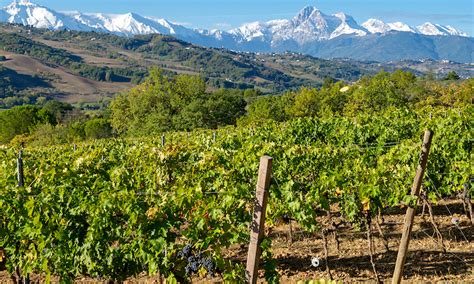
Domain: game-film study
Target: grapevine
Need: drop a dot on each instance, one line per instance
(115, 208)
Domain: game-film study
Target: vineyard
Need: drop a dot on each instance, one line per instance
(112, 209)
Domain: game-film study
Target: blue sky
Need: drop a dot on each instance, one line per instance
(225, 14)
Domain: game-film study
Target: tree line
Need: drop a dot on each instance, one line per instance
(182, 103)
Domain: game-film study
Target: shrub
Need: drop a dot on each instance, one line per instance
(97, 128)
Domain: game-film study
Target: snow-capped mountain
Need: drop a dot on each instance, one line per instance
(307, 32)
(27, 13)
(378, 26)
(310, 24)
(435, 29)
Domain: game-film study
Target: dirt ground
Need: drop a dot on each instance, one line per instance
(73, 87)
(426, 261)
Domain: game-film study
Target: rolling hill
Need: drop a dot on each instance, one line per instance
(88, 67)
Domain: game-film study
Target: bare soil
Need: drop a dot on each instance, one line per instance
(426, 261)
(74, 88)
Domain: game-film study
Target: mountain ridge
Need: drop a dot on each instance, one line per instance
(309, 27)
(28, 13)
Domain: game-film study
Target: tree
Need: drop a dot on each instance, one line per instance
(266, 108)
(19, 120)
(155, 105)
(452, 76)
(58, 109)
(306, 102)
(381, 91)
(223, 109)
(334, 98)
(97, 128)
(145, 109)
(251, 93)
(180, 103)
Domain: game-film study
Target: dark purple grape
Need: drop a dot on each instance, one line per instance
(186, 251)
(209, 265)
(194, 266)
(200, 258)
(192, 259)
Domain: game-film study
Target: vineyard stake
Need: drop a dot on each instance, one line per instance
(258, 223)
(21, 178)
(467, 201)
(21, 183)
(410, 215)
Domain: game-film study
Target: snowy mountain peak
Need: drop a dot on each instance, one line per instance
(307, 26)
(431, 29)
(401, 27)
(306, 13)
(19, 5)
(435, 29)
(348, 26)
(251, 31)
(27, 13)
(22, 3)
(376, 26)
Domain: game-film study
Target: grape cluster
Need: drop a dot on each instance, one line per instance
(209, 265)
(196, 261)
(186, 251)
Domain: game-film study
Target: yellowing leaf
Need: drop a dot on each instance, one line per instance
(202, 272)
(151, 212)
(366, 204)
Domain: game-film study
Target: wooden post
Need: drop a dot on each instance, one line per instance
(467, 201)
(20, 176)
(75, 147)
(258, 223)
(163, 140)
(214, 137)
(410, 215)
(21, 183)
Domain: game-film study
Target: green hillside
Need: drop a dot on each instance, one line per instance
(88, 67)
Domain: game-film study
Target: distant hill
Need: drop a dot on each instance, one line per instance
(87, 66)
(395, 47)
(90, 67)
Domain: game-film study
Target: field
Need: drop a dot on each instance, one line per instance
(71, 87)
(120, 208)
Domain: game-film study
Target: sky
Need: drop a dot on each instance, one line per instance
(227, 14)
